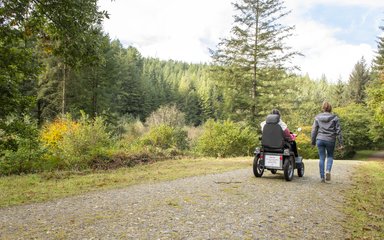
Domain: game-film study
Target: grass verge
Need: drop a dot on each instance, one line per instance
(365, 203)
(17, 190)
(363, 154)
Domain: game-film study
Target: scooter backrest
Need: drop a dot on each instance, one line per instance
(273, 136)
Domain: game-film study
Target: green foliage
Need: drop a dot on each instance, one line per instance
(20, 149)
(81, 142)
(355, 121)
(250, 65)
(129, 130)
(129, 97)
(363, 203)
(18, 67)
(55, 59)
(376, 104)
(358, 80)
(378, 62)
(166, 115)
(304, 146)
(165, 137)
(225, 139)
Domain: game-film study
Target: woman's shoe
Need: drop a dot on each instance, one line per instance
(328, 176)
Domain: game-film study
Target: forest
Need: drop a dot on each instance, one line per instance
(73, 99)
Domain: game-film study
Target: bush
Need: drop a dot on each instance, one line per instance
(130, 132)
(75, 144)
(355, 121)
(166, 115)
(165, 137)
(304, 146)
(53, 133)
(224, 139)
(21, 150)
(307, 151)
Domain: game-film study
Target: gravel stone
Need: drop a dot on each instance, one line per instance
(231, 205)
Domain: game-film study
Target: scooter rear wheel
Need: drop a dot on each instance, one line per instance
(288, 169)
(258, 168)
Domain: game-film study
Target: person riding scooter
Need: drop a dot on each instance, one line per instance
(288, 135)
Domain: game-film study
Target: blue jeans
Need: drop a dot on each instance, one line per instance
(326, 150)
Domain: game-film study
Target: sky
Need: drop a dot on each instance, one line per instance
(333, 35)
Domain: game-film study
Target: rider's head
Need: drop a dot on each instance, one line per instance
(275, 111)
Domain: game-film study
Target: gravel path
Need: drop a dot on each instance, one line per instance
(233, 205)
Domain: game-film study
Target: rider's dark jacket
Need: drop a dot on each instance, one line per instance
(326, 127)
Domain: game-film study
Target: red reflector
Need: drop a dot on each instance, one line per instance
(281, 157)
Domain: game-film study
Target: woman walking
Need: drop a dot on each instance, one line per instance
(325, 130)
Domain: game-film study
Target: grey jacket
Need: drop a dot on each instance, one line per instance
(326, 127)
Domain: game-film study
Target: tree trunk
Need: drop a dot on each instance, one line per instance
(64, 89)
(94, 94)
(254, 77)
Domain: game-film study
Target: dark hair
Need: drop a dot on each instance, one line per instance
(275, 111)
(327, 107)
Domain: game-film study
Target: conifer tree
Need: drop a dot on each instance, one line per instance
(358, 80)
(254, 58)
(375, 92)
(339, 94)
(130, 96)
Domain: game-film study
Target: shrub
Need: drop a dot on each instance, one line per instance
(90, 139)
(355, 121)
(52, 133)
(165, 137)
(224, 139)
(307, 151)
(74, 144)
(304, 147)
(131, 131)
(166, 115)
(21, 150)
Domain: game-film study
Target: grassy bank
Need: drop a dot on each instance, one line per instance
(17, 190)
(365, 203)
(363, 154)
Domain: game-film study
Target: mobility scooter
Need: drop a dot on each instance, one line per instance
(275, 152)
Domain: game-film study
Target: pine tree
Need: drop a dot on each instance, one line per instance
(358, 80)
(375, 92)
(379, 60)
(253, 57)
(339, 94)
(130, 97)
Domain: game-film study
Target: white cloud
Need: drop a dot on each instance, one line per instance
(324, 53)
(169, 29)
(295, 4)
(184, 30)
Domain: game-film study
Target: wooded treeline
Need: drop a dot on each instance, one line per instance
(56, 60)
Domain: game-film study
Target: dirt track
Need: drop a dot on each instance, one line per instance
(233, 205)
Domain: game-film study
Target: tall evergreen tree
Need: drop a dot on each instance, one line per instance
(339, 94)
(254, 56)
(130, 96)
(358, 80)
(379, 59)
(64, 28)
(375, 92)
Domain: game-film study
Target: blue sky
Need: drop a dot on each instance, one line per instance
(332, 34)
(356, 23)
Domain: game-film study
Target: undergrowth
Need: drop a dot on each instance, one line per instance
(365, 203)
